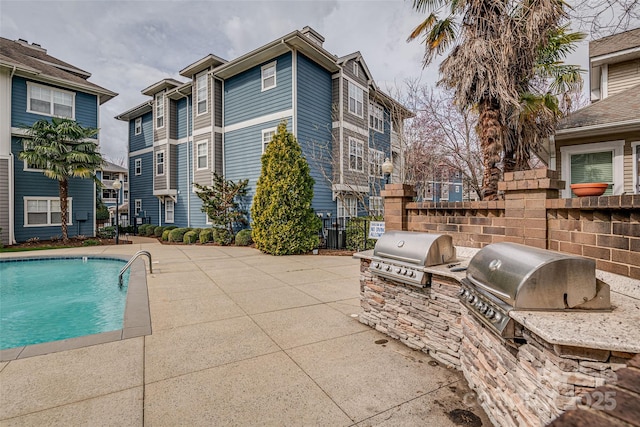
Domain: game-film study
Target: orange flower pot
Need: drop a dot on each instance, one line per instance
(589, 189)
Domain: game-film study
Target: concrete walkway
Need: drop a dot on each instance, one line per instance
(239, 338)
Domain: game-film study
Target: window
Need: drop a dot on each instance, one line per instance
(598, 162)
(376, 117)
(160, 163)
(125, 177)
(203, 151)
(376, 159)
(376, 206)
(108, 194)
(137, 127)
(50, 101)
(44, 211)
(126, 195)
(356, 148)
(202, 88)
(169, 207)
(356, 69)
(137, 207)
(159, 110)
(269, 76)
(356, 94)
(347, 207)
(138, 167)
(267, 136)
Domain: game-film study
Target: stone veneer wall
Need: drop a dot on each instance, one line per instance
(524, 382)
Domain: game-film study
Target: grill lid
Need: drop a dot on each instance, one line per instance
(419, 249)
(530, 278)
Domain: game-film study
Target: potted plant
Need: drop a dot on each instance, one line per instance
(592, 185)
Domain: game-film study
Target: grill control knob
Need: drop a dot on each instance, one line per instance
(490, 313)
(461, 291)
(472, 299)
(388, 268)
(497, 317)
(398, 270)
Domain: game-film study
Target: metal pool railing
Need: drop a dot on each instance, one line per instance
(133, 258)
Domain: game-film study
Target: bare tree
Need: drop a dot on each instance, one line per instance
(602, 18)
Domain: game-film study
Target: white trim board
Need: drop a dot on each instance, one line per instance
(259, 120)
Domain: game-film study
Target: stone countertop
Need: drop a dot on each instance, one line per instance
(616, 330)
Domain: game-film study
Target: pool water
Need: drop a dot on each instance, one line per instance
(52, 299)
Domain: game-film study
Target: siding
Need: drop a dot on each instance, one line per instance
(184, 191)
(218, 165)
(348, 71)
(4, 201)
(181, 118)
(141, 187)
(244, 100)
(203, 176)
(173, 166)
(159, 134)
(348, 117)
(623, 76)
(352, 177)
(203, 120)
(217, 104)
(314, 128)
(86, 106)
(160, 182)
(35, 184)
(173, 119)
(145, 139)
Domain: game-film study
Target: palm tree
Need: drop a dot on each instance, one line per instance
(63, 149)
(495, 47)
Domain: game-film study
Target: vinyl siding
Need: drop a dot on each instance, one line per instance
(35, 184)
(160, 181)
(159, 134)
(86, 112)
(314, 128)
(173, 119)
(203, 176)
(348, 71)
(351, 118)
(141, 187)
(244, 99)
(218, 102)
(353, 177)
(217, 155)
(184, 191)
(623, 76)
(181, 118)
(4, 201)
(173, 166)
(145, 139)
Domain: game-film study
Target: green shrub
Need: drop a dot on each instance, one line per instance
(190, 237)
(157, 232)
(142, 229)
(197, 230)
(148, 231)
(91, 242)
(177, 234)
(206, 235)
(165, 235)
(106, 232)
(243, 238)
(128, 229)
(357, 231)
(222, 236)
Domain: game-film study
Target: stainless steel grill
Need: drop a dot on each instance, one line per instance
(403, 255)
(506, 276)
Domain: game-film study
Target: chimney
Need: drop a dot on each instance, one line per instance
(313, 35)
(34, 46)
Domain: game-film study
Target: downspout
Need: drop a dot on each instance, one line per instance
(159, 211)
(341, 107)
(12, 234)
(188, 169)
(294, 89)
(224, 163)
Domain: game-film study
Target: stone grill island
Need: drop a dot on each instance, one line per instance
(555, 358)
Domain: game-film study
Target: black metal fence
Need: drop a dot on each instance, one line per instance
(346, 233)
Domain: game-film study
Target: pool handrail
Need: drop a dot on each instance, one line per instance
(128, 264)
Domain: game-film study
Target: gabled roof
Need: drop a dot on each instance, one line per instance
(620, 111)
(112, 167)
(160, 86)
(615, 43)
(210, 60)
(181, 91)
(136, 111)
(32, 61)
(358, 57)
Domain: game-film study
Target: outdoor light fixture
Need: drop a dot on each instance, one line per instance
(387, 169)
(116, 186)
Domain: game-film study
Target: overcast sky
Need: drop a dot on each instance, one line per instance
(128, 45)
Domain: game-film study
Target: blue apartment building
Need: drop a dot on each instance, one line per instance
(34, 86)
(221, 118)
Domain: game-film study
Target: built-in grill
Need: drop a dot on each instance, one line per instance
(403, 255)
(506, 276)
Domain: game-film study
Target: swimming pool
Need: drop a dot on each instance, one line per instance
(55, 303)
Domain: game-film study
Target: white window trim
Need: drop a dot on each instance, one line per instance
(125, 195)
(137, 164)
(342, 208)
(198, 144)
(163, 162)
(137, 202)
(137, 126)
(359, 142)
(26, 167)
(617, 147)
(275, 73)
(49, 199)
(634, 160)
(206, 94)
(356, 69)
(379, 210)
(372, 162)
(357, 86)
(264, 132)
(168, 202)
(374, 107)
(52, 89)
(155, 107)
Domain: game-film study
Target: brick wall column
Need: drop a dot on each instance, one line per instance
(525, 198)
(396, 197)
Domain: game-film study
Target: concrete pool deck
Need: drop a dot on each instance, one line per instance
(239, 338)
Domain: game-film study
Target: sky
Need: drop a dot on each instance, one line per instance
(129, 45)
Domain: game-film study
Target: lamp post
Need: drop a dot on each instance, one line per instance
(116, 186)
(387, 169)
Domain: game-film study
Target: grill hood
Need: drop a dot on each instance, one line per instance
(418, 249)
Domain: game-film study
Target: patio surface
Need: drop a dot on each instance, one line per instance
(239, 338)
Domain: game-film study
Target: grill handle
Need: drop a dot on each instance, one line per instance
(398, 258)
(479, 284)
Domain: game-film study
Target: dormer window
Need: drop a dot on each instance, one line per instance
(269, 76)
(50, 101)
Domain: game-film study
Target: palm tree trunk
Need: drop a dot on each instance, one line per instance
(63, 185)
(491, 133)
